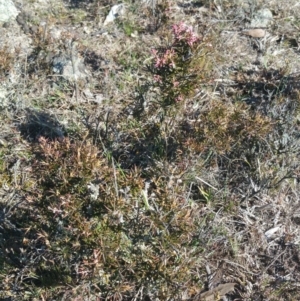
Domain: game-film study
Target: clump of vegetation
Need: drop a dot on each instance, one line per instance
(179, 67)
(85, 229)
(224, 126)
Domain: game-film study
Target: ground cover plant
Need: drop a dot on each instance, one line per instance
(153, 158)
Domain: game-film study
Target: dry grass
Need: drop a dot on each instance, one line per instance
(145, 183)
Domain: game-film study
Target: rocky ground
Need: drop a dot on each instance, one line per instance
(136, 165)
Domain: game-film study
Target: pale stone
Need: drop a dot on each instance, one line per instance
(8, 11)
(262, 18)
(116, 11)
(255, 33)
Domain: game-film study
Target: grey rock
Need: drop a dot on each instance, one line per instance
(8, 11)
(3, 97)
(68, 68)
(262, 18)
(94, 191)
(115, 12)
(55, 33)
(59, 63)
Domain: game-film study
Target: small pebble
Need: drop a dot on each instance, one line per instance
(255, 33)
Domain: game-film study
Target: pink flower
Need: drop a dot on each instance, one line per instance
(164, 59)
(154, 51)
(183, 32)
(179, 98)
(157, 78)
(175, 84)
